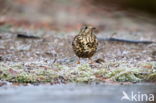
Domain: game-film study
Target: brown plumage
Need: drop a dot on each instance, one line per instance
(85, 43)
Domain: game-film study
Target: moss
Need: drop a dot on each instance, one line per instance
(123, 75)
(80, 73)
(127, 76)
(25, 78)
(101, 72)
(151, 77)
(5, 28)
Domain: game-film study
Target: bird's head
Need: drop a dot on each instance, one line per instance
(86, 30)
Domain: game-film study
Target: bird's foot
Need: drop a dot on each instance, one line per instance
(91, 61)
(78, 62)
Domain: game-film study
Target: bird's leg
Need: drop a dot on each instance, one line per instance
(90, 61)
(78, 62)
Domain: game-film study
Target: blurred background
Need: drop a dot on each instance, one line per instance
(68, 15)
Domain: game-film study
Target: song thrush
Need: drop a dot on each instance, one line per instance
(85, 43)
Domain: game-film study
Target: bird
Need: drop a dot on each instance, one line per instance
(85, 43)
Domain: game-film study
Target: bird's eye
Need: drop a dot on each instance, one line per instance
(85, 27)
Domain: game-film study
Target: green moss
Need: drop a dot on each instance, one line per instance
(80, 73)
(101, 72)
(127, 76)
(123, 75)
(25, 78)
(5, 28)
(151, 77)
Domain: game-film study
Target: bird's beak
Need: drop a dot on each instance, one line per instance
(94, 30)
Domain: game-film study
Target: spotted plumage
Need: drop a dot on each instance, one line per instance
(85, 43)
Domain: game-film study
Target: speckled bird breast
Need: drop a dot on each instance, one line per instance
(85, 46)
